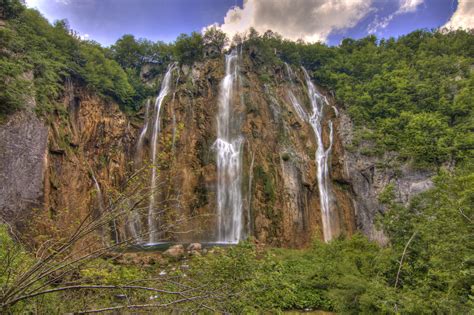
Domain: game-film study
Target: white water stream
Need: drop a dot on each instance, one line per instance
(318, 104)
(229, 158)
(153, 222)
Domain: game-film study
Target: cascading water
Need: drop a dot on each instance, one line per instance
(299, 110)
(229, 160)
(318, 103)
(294, 101)
(100, 200)
(153, 225)
(141, 139)
(101, 208)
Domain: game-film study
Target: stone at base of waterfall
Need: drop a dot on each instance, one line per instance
(194, 249)
(175, 251)
(141, 259)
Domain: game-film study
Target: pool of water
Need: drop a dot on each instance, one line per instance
(162, 246)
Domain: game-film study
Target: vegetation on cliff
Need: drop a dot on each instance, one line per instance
(412, 95)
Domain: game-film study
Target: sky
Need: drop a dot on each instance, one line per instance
(327, 21)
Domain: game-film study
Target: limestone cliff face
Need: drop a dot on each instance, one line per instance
(23, 159)
(95, 141)
(281, 198)
(51, 169)
(48, 165)
(368, 176)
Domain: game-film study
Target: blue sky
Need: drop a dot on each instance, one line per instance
(325, 20)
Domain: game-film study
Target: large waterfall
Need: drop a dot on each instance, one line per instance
(153, 225)
(229, 158)
(318, 103)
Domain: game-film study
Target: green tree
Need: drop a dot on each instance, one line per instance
(188, 48)
(214, 41)
(128, 52)
(426, 138)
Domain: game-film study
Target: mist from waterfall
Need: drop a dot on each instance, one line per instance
(153, 222)
(228, 147)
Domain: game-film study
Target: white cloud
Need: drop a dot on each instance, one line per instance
(33, 3)
(310, 20)
(39, 3)
(463, 17)
(405, 6)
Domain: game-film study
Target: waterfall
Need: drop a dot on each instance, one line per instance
(297, 106)
(318, 103)
(141, 139)
(100, 200)
(294, 101)
(100, 203)
(229, 160)
(174, 116)
(165, 88)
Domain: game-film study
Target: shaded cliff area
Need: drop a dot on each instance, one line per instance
(49, 167)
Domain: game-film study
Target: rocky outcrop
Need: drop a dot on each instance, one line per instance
(48, 165)
(370, 175)
(24, 154)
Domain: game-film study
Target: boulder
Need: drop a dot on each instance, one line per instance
(175, 251)
(194, 247)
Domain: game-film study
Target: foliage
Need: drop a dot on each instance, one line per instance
(38, 57)
(104, 74)
(215, 40)
(13, 257)
(439, 270)
(10, 8)
(131, 53)
(188, 48)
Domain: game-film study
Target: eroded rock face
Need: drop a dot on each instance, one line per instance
(23, 160)
(280, 195)
(46, 167)
(369, 176)
(95, 141)
(51, 166)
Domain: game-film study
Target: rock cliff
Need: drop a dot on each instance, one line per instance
(54, 170)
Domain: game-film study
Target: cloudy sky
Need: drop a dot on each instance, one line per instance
(312, 20)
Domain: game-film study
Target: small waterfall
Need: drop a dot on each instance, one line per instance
(100, 204)
(229, 158)
(174, 116)
(141, 139)
(100, 200)
(318, 103)
(294, 101)
(153, 225)
(289, 72)
(297, 106)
